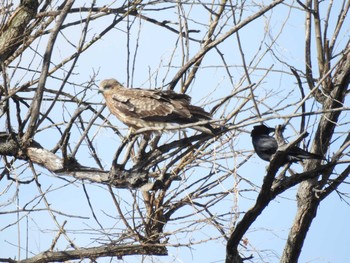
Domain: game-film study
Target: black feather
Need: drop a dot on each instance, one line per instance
(265, 146)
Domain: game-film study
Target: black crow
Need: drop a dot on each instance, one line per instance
(265, 146)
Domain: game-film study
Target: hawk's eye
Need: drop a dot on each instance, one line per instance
(107, 87)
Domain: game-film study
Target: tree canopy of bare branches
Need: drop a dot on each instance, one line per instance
(76, 185)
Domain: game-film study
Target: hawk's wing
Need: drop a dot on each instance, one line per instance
(154, 105)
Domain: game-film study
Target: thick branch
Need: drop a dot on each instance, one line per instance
(93, 253)
(13, 33)
(279, 186)
(120, 178)
(263, 199)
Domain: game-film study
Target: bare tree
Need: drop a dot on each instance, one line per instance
(72, 176)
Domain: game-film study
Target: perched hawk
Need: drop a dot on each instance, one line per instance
(142, 108)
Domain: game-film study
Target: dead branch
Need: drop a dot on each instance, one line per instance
(111, 250)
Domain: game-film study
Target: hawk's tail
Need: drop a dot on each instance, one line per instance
(199, 114)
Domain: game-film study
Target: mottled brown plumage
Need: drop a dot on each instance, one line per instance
(142, 108)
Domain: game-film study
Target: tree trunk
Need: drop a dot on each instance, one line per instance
(307, 198)
(307, 209)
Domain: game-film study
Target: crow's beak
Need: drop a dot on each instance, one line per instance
(271, 129)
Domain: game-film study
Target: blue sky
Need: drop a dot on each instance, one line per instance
(158, 58)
